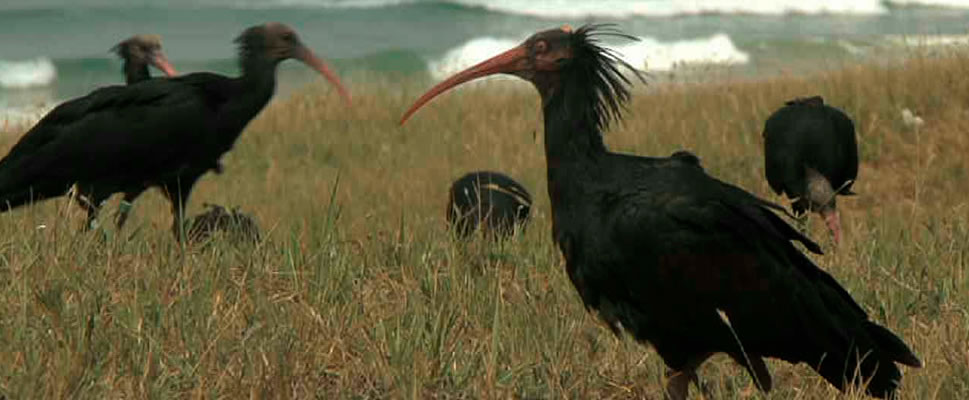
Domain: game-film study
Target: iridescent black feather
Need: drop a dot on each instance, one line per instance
(599, 69)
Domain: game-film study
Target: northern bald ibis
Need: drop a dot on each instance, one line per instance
(235, 224)
(136, 53)
(159, 132)
(680, 260)
(810, 154)
(140, 51)
(491, 200)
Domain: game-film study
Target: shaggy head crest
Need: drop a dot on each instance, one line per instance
(600, 70)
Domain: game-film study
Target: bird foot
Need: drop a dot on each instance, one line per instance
(124, 208)
(94, 225)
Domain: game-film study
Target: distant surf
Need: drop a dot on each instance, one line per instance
(19, 74)
(647, 54)
(544, 8)
(427, 40)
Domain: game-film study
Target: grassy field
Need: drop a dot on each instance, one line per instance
(358, 292)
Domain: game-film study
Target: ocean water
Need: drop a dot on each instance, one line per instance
(52, 50)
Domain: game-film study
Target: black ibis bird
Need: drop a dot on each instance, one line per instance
(136, 53)
(233, 223)
(159, 132)
(810, 154)
(491, 200)
(140, 51)
(680, 260)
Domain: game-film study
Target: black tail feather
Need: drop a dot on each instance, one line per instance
(893, 346)
(870, 362)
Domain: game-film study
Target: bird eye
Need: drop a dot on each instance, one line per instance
(289, 37)
(541, 46)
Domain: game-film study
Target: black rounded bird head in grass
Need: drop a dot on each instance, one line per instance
(810, 154)
(680, 260)
(490, 201)
(159, 132)
(140, 51)
(232, 224)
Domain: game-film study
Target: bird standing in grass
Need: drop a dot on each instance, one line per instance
(810, 154)
(491, 201)
(159, 132)
(137, 53)
(680, 260)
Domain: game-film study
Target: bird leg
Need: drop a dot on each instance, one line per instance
(678, 383)
(178, 218)
(92, 206)
(125, 207)
(678, 380)
(178, 193)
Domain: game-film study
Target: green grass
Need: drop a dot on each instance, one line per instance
(358, 292)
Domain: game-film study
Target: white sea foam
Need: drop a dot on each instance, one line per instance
(620, 8)
(653, 55)
(468, 54)
(547, 8)
(663, 8)
(648, 53)
(934, 3)
(27, 73)
(263, 4)
(555, 9)
(929, 40)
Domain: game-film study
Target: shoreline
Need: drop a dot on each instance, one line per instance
(17, 117)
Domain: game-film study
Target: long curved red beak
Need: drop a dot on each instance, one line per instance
(159, 60)
(510, 61)
(833, 221)
(307, 57)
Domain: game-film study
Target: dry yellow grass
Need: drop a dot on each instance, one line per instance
(358, 292)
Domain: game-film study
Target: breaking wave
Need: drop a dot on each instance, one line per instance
(648, 54)
(27, 73)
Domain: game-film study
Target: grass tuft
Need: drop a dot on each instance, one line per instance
(359, 291)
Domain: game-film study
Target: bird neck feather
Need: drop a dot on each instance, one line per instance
(135, 72)
(582, 99)
(569, 135)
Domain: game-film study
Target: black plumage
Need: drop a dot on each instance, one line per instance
(159, 132)
(811, 155)
(490, 200)
(136, 53)
(675, 257)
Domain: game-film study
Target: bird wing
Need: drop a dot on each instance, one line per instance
(117, 132)
(682, 246)
(847, 170)
(782, 153)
